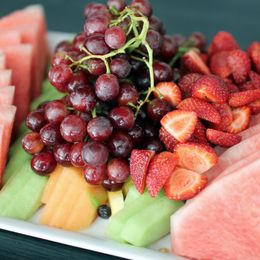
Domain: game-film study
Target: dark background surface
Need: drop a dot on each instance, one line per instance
(240, 17)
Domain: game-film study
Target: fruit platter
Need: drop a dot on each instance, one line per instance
(128, 141)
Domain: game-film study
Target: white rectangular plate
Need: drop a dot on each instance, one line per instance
(93, 238)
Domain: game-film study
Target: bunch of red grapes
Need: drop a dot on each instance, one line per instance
(95, 126)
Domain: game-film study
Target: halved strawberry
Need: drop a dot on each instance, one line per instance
(219, 64)
(160, 168)
(244, 97)
(254, 53)
(169, 91)
(139, 162)
(180, 124)
(232, 88)
(202, 108)
(186, 83)
(226, 117)
(255, 107)
(221, 138)
(184, 184)
(193, 62)
(196, 157)
(222, 41)
(239, 64)
(168, 140)
(210, 88)
(199, 135)
(241, 120)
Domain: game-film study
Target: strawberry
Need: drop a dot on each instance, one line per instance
(255, 78)
(169, 91)
(210, 88)
(193, 62)
(221, 138)
(219, 65)
(196, 157)
(244, 97)
(254, 53)
(139, 162)
(160, 168)
(186, 83)
(199, 135)
(202, 108)
(255, 107)
(204, 57)
(168, 140)
(222, 41)
(226, 117)
(232, 88)
(184, 184)
(180, 124)
(249, 85)
(241, 120)
(239, 64)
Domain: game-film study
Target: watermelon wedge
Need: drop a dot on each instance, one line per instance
(2, 61)
(7, 115)
(7, 95)
(18, 59)
(5, 78)
(9, 38)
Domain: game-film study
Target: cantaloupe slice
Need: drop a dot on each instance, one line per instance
(72, 204)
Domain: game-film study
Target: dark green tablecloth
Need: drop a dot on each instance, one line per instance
(237, 16)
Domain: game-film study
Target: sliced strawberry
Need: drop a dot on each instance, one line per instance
(226, 117)
(139, 162)
(186, 83)
(221, 138)
(222, 41)
(239, 64)
(202, 108)
(169, 91)
(232, 88)
(244, 97)
(196, 157)
(199, 135)
(184, 184)
(168, 140)
(219, 64)
(210, 88)
(249, 85)
(254, 53)
(160, 168)
(255, 78)
(241, 120)
(180, 124)
(193, 62)
(255, 107)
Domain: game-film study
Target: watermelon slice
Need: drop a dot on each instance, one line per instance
(5, 78)
(7, 115)
(7, 95)
(9, 38)
(18, 59)
(2, 61)
(222, 222)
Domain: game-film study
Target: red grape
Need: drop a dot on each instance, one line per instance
(156, 24)
(79, 41)
(169, 47)
(63, 46)
(96, 24)
(115, 37)
(35, 120)
(119, 5)
(50, 134)
(143, 6)
(85, 116)
(76, 155)
(150, 131)
(32, 143)
(137, 134)
(157, 108)
(96, 44)
(55, 111)
(95, 175)
(142, 79)
(62, 154)
(179, 39)
(78, 80)
(118, 170)
(162, 71)
(95, 67)
(59, 58)
(111, 185)
(154, 145)
(154, 39)
(66, 100)
(128, 94)
(198, 40)
(120, 67)
(93, 9)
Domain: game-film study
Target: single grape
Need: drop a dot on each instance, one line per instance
(142, 79)
(94, 9)
(143, 6)
(43, 163)
(157, 108)
(125, 24)
(95, 67)
(85, 116)
(62, 154)
(128, 94)
(76, 155)
(168, 48)
(198, 40)
(50, 134)
(63, 46)
(75, 54)
(55, 111)
(115, 37)
(122, 118)
(95, 153)
(73, 129)
(104, 211)
(119, 5)
(96, 24)
(118, 170)
(35, 120)
(83, 99)
(78, 80)
(156, 24)
(154, 39)
(150, 131)
(137, 134)
(120, 144)
(95, 175)
(136, 65)
(107, 87)
(79, 41)
(32, 143)
(162, 71)
(179, 39)
(60, 76)
(111, 185)
(96, 44)
(59, 58)
(66, 100)
(99, 128)
(154, 145)
(120, 67)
